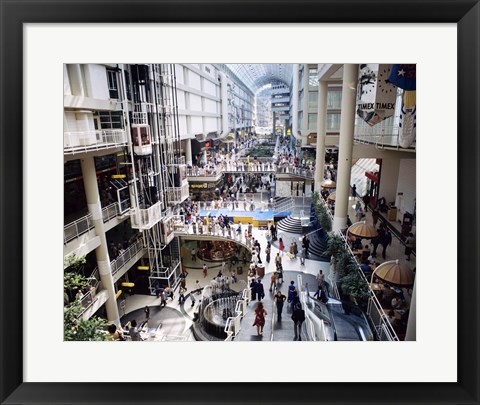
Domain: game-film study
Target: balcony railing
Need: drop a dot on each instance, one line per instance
(385, 133)
(309, 174)
(76, 142)
(146, 218)
(176, 195)
(126, 256)
(88, 299)
(80, 226)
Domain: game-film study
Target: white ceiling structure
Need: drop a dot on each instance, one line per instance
(257, 75)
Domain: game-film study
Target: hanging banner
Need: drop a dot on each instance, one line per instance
(376, 97)
(404, 76)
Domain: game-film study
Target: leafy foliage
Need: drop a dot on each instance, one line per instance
(321, 213)
(351, 281)
(74, 281)
(78, 329)
(75, 263)
(353, 284)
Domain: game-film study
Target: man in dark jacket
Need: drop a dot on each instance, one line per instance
(298, 317)
(260, 291)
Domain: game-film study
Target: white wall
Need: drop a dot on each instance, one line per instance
(196, 125)
(181, 99)
(211, 124)
(96, 81)
(407, 184)
(193, 80)
(66, 81)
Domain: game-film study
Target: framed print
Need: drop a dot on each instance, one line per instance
(39, 367)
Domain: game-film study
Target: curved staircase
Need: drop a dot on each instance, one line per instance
(290, 225)
(318, 245)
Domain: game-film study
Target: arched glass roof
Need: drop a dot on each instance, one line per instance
(257, 75)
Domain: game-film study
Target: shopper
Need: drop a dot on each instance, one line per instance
(267, 252)
(281, 246)
(298, 317)
(273, 280)
(260, 291)
(259, 322)
(147, 312)
(291, 290)
(134, 332)
(279, 299)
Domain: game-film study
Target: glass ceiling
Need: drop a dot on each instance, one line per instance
(257, 75)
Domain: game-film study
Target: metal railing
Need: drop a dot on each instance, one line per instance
(374, 308)
(385, 133)
(76, 228)
(89, 298)
(236, 166)
(80, 226)
(187, 229)
(297, 171)
(315, 327)
(176, 195)
(80, 141)
(233, 324)
(145, 218)
(126, 256)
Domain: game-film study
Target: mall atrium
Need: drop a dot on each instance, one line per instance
(196, 194)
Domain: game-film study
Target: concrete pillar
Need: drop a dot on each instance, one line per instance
(103, 259)
(76, 79)
(347, 125)
(224, 103)
(321, 134)
(389, 177)
(304, 107)
(188, 152)
(295, 101)
(411, 334)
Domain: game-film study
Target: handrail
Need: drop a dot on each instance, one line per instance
(78, 141)
(187, 229)
(84, 224)
(372, 299)
(287, 169)
(233, 324)
(239, 165)
(315, 327)
(129, 253)
(89, 298)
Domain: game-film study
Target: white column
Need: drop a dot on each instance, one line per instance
(188, 151)
(305, 108)
(76, 79)
(224, 101)
(411, 334)
(321, 133)
(295, 101)
(101, 252)
(347, 125)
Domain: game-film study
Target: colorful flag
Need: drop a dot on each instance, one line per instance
(404, 76)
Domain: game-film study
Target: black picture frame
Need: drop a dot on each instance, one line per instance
(466, 14)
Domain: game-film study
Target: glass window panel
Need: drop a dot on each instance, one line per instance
(334, 98)
(312, 122)
(333, 122)
(312, 77)
(313, 99)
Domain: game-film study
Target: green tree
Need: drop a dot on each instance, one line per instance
(77, 329)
